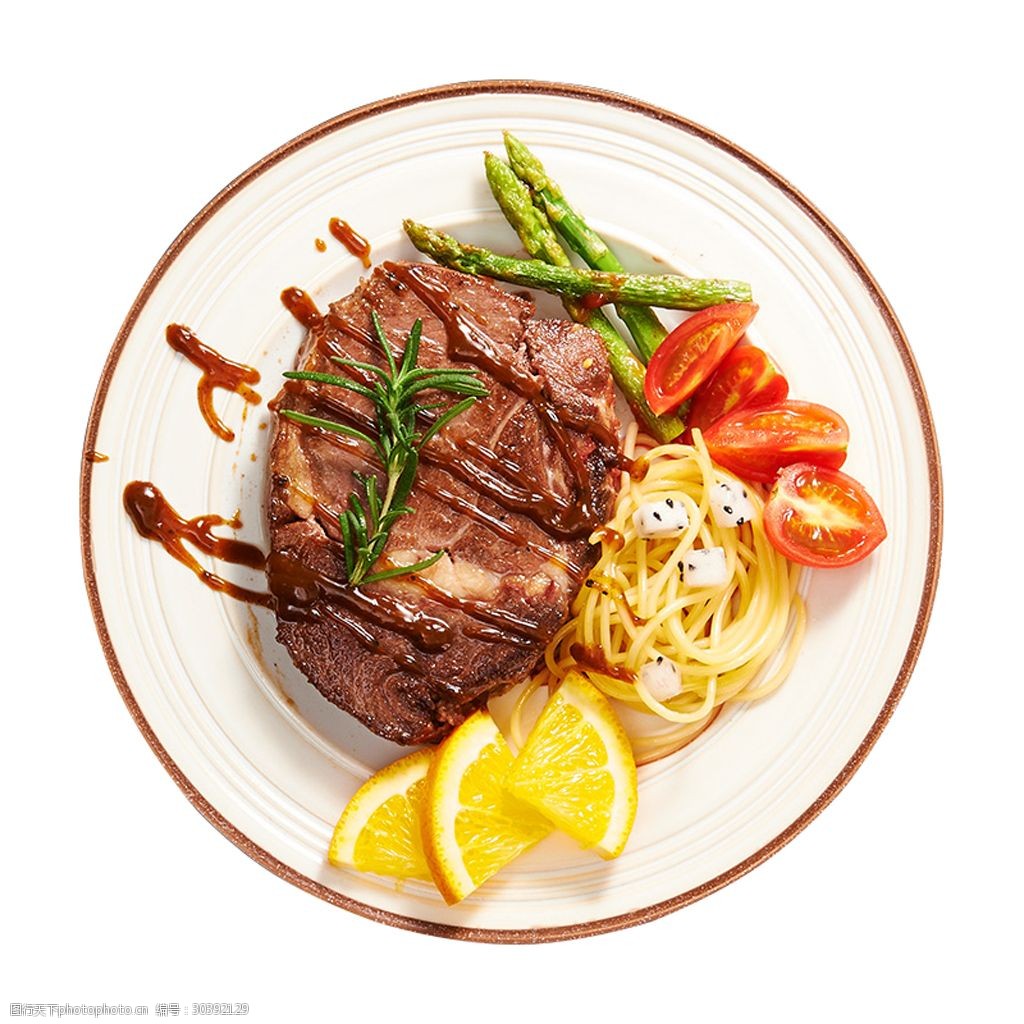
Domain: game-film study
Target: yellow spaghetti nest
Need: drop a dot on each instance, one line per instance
(635, 608)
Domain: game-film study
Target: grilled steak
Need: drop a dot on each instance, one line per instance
(509, 490)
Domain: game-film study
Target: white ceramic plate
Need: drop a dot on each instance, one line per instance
(258, 751)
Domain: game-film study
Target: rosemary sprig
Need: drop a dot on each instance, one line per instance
(366, 523)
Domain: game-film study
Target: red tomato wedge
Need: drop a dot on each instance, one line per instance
(822, 517)
(755, 443)
(692, 352)
(745, 377)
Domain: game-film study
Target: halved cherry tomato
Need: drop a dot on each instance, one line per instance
(691, 353)
(821, 517)
(755, 443)
(745, 377)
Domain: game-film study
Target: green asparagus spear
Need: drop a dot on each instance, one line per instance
(530, 223)
(539, 240)
(643, 323)
(668, 290)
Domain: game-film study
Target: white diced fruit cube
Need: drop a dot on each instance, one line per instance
(704, 567)
(730, 505)
(662, 678)
(659, 519)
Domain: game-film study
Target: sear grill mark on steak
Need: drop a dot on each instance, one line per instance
(510, 490)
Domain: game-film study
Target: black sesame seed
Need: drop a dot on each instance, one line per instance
(727, 509)
(657, 515)
(660, 659)
(691, 566)
(670, 503)
(744, 491)
(740, 521)
(680, 564)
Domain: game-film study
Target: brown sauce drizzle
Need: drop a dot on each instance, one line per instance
(437, 491)
(155, 519)
(606, 535)
(468, 343)
(298, 588)
(345, 326)
(299, 593)
(331, 406)
(637, 468)
(505, 625)
(351, 239)
(320, 510)
(502, 480)
(485, 474)
(551, 511)
(94, 456)
(495, 525)
(295, 589)
(592, 659)
(302, 307)
(217, 372)
(321, 245)
(610, 588)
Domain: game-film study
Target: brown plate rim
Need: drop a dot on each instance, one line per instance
(585, 928)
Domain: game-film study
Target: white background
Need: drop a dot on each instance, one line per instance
(903, 900)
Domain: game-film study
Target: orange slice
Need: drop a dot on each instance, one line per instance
(577, 768)
(472, 825)
(380, 829)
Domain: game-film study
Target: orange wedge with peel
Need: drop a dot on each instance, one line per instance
(472, 825)
(380, 830)
(577, 768)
